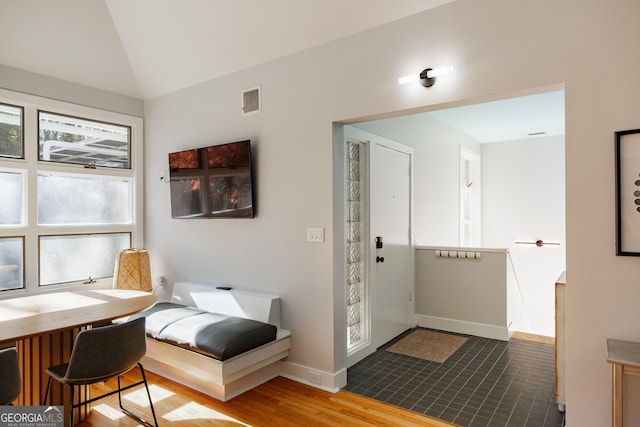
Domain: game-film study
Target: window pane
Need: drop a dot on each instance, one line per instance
(185, 160)
(11, 196)
(231, 193)
(66, 139)
(76, 258)
(11, 131)
(187, 197)
(73, 200)
(229, 155)
(11, 263)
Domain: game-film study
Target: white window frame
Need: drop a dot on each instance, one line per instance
(30, 166)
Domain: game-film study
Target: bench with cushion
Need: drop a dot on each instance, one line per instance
(219, 342)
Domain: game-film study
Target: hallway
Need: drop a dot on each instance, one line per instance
(486, 383)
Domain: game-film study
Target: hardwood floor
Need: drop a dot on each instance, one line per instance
(279, 402)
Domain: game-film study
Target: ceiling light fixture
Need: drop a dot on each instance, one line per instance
(427, 77)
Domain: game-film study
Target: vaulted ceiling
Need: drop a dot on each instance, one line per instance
(147, 48)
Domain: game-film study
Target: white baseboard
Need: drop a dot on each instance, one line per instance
(327, 381)
(464, 327)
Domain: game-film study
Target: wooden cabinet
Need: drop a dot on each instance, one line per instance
(561, 341)
(624, 357)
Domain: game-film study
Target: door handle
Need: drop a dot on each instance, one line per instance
(379, 259)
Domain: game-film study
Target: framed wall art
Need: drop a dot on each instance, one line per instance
(628, 192)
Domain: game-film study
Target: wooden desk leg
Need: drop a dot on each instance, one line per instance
(616, 370)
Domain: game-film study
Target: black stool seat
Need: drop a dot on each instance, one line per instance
(102, 353)
(10, 380)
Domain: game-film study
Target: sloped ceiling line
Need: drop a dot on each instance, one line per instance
(147, 48)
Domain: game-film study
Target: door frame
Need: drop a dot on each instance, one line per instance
(370, 141)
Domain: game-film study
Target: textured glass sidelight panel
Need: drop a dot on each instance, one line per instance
(11, 196)
(11, 263)
(353, 232)
(354, 252)
(73, 258)
(354, 151)
(353, 316)
(354, 333)
(354, 293)
(354, 211)
(354, 191)
(354, 170)
(11, 140)
(354, 273)
(77, 200)
(354, 283)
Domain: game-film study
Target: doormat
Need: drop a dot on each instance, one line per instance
(428, 345)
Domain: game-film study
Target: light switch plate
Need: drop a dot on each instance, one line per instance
(315, 234)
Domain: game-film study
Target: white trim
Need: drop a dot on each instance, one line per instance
(463, 327)
(328, 381)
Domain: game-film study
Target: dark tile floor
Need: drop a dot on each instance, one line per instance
(486, 383)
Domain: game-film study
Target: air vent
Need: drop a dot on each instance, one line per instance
(251, 101)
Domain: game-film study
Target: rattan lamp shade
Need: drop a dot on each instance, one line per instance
(133, 270)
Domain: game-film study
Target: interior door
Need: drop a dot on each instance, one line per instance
(392, 261)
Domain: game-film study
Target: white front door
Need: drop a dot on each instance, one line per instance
(391, 249)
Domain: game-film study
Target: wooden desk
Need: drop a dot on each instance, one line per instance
(624, 357)
(44, 328)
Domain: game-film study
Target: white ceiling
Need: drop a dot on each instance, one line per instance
(147, 48)
(508, 119)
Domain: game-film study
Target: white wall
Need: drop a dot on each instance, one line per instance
(465, 295)
(523, 200)
(515, 48)
(436, 173)
(270, 253)
(48, 87)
